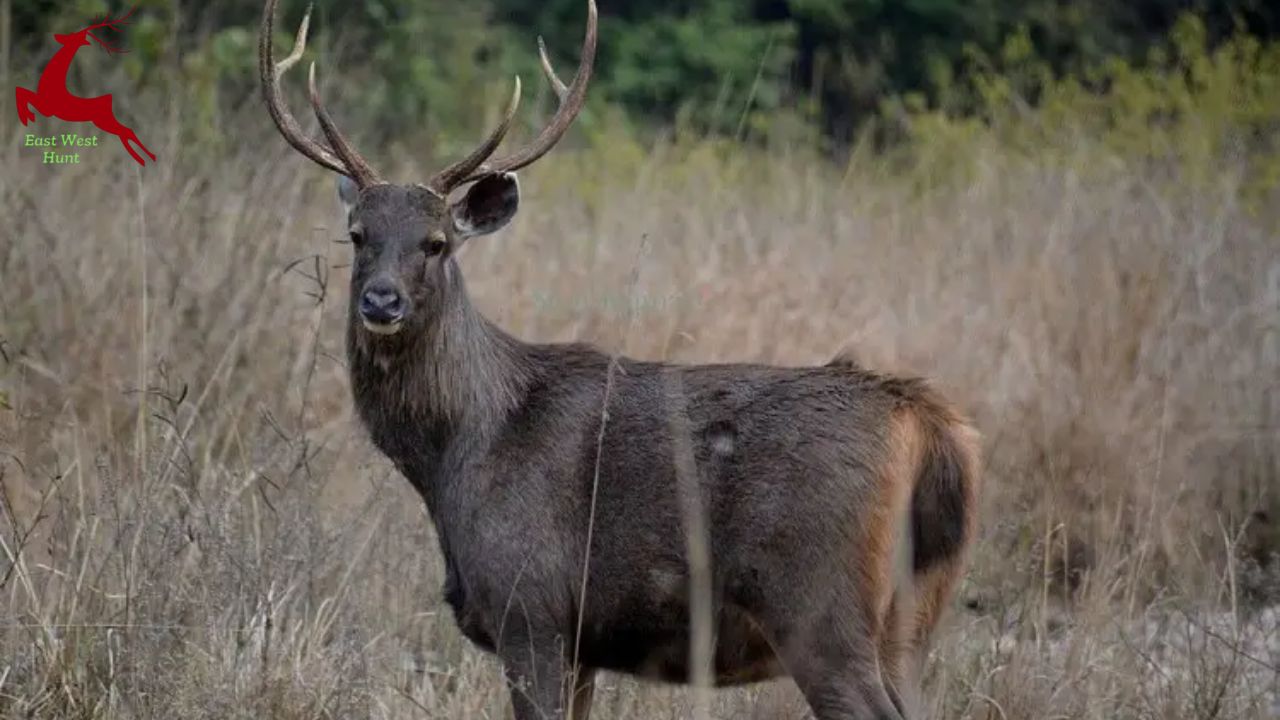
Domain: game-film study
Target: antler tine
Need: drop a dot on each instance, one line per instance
(108, 23)
(449, 178)
(557, 85)
(571, 101)
(270, 72)
(111, 49)
(299, 42)
(360, 171)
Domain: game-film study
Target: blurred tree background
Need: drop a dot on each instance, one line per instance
(737, 67)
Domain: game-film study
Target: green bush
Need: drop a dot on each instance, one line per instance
(1192, 108)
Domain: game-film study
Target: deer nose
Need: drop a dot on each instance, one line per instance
(382, 305)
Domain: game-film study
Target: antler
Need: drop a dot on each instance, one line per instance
(342, 158)
(557, 84)
(360, 170)
(474, 166)
(452, 176)
(108, 24)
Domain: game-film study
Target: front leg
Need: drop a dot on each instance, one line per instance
(25, 98)
(537, 673)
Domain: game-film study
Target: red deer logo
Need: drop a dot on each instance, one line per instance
(53, 99)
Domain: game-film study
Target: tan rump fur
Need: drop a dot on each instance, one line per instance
(905, 448)
(913, 601)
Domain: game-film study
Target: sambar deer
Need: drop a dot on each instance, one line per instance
(837, 503)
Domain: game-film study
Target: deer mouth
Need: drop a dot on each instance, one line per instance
(382, 328)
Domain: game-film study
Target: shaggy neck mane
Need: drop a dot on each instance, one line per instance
(459, 370)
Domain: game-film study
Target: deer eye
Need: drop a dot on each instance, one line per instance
(434, 245)
(357, 238)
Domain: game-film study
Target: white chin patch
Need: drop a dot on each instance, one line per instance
(382, 329)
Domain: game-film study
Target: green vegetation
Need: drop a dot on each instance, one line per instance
(1191, 107)
(714, 65)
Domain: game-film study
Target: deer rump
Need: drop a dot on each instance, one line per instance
(830, 495)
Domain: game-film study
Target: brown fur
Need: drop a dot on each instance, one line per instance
(838, 502)
(919, 595)
(830, 507)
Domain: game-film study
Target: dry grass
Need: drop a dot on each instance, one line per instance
(194, 526)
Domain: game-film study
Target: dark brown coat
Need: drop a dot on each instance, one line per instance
(818, 516)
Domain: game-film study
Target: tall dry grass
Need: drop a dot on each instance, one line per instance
(193, 525)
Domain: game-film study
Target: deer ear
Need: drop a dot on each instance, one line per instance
(348, 194)
(489, 204)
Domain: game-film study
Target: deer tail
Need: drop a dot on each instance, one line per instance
(946, 485)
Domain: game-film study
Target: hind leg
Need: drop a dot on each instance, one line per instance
(834, 698)
(109, 124)
(127, 138)
(834, 659)
(843, 683)
(131, 151)
(904, 643)
(892, 650)
(133, 138)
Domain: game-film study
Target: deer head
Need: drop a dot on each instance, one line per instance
(80, 38)
(405, 236)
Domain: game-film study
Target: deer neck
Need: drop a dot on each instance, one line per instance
(457, 375)
(54, 76)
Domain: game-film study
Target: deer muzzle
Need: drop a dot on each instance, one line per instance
(382, 308)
